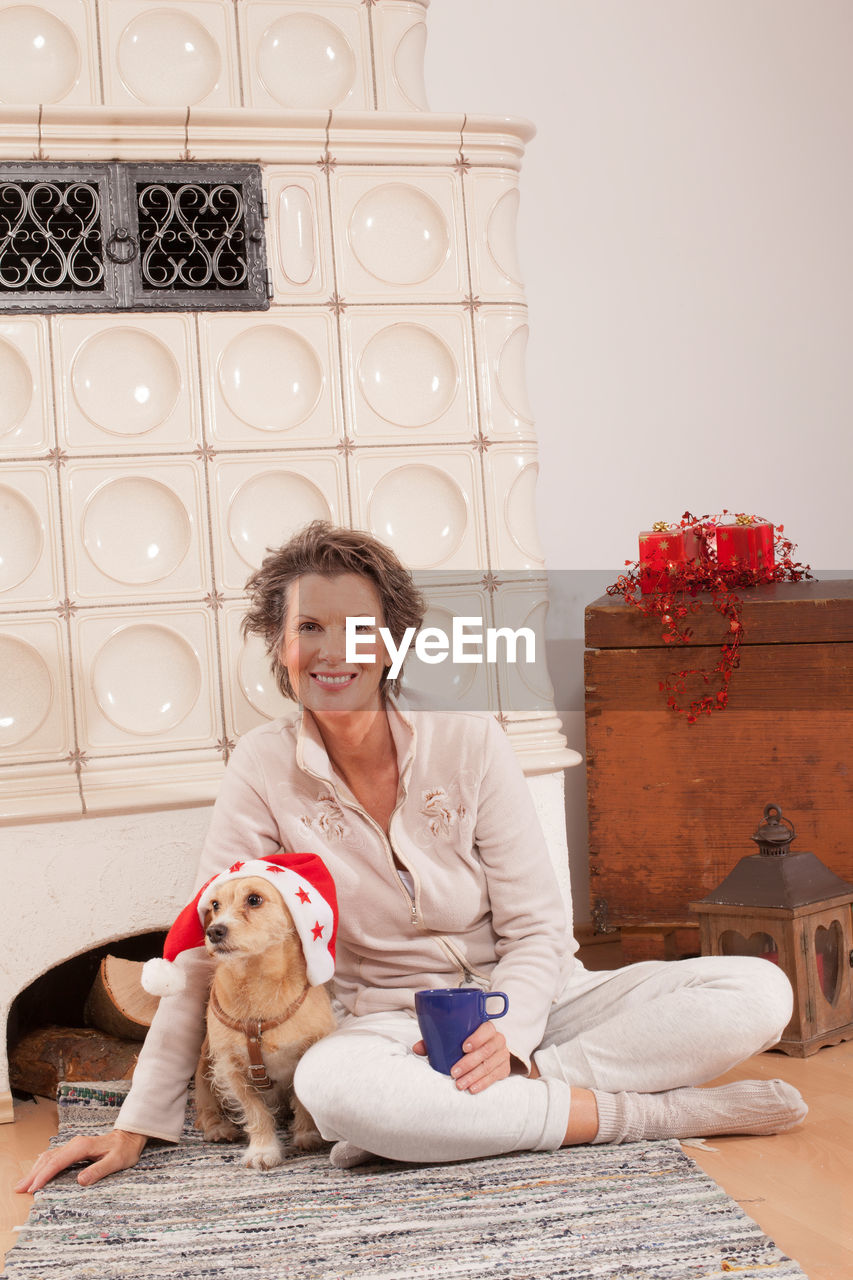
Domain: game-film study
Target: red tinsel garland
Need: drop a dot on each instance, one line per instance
(674, 605)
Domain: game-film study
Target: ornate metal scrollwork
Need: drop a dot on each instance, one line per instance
(115, 237)
(50, 237)
(193, 234)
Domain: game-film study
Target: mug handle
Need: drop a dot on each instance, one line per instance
(503, 996)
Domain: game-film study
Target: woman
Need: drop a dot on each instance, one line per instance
(426, 824)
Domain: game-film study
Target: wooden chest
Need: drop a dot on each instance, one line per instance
(672, 805)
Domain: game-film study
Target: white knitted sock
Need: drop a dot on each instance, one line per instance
(345, 1155)
(747, 1106)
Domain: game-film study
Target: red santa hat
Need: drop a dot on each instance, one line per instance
(308, 891)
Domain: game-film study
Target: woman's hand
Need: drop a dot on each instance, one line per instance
(110, 1152)
(487, 1059)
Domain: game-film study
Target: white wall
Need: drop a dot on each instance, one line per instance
(686, 222)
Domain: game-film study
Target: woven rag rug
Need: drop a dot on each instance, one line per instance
(643, 1210)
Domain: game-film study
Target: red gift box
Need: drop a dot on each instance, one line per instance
(661, 551)
(746, 545)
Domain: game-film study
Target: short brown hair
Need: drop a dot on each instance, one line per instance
(329, 550)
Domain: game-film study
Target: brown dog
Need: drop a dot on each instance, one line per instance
(260, 977)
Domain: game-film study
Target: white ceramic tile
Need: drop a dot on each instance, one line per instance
(511, 473)
(145, 680)
(19, 132)
(35, 706)
(400, 36)
(126, 384)
(399, 235)
(135, 532)
(29, 536)
(271, 378)
(252, 695)
(425, 505)
(299, 246)
(157, 779)
(259, 502)
(410, 374)
(505, 409)
(301, 56)
(25, 408)
(525, 684)
(492, 202)
(172, 54)
(39, 791)
(447, 685)
(48, 53)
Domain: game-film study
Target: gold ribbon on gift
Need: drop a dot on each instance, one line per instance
(742, 519)
(660, 526)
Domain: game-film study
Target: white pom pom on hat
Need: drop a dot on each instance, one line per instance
(304, 882)
(162, 977)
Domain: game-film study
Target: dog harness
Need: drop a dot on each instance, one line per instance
(254, 1031)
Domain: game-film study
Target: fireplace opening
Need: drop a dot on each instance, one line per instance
(51, 1034)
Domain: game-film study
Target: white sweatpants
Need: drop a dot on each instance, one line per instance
(645, 1028)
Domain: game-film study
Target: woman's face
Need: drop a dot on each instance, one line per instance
(314, 645)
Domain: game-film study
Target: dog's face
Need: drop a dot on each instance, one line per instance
(246, 917)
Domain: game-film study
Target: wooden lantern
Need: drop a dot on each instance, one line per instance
(792, 910)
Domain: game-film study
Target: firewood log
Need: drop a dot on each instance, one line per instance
(117, 1002)
(42, 1058)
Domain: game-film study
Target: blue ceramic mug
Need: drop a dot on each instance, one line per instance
(447, 1016)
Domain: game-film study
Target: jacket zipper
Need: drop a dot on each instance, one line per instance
(410, 898)
(468, 973)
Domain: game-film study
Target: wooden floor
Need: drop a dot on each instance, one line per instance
(798, 1187)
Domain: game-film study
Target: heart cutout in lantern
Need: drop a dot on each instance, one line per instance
(733, 943)
(827, 946)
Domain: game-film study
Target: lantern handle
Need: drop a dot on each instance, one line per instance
(773, 809)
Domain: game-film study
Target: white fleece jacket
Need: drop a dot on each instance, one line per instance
(485, 906)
